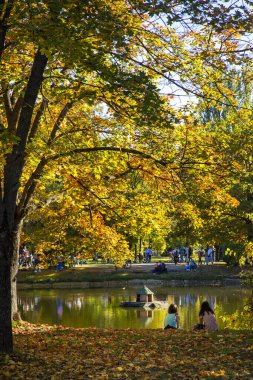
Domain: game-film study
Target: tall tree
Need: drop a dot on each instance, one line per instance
(63, 52)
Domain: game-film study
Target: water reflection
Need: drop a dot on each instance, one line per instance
(145, 316)
(101, 307)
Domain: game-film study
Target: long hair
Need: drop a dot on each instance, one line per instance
(172, 309)
(205, 307)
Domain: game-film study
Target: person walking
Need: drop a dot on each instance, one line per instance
(210, 254)
(187, 252)
(206, 256)
(200, 254)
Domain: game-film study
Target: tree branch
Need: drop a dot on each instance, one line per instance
(16, 112)
(108, 149)
(29, 188)
(244, 218)
(6, 6)
(31, 183)
(94, 194)
(12, 111)
(59, 121)
(37, 119)
(7, 105)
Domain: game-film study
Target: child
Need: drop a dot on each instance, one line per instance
(207, 318)
(172, 318)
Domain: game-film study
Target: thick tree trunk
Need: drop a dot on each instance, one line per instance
(6, 343)
(9, 245)
(9, 224)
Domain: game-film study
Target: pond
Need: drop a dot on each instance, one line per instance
(101, 307)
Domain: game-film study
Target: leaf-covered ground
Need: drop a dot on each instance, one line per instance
(57, 353)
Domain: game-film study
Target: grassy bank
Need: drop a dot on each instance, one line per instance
(108, 273)
(58, 353)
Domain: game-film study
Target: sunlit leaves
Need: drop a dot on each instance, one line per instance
(107, 62)
(122, 354)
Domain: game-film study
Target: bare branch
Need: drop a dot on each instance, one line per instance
(59, 121)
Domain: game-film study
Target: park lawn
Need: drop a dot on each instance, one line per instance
(59, 353)
(97, 273)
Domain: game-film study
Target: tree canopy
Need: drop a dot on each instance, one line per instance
(96, 149)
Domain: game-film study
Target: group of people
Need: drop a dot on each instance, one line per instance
(207, 319)
(184, 254)
(27, 259)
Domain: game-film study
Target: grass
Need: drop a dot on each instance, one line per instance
(97, 273)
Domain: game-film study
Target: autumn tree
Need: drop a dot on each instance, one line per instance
(59, 58)
(231, 127)
(109, 199)
(63, 53)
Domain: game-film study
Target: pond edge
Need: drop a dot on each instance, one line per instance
(129, 284)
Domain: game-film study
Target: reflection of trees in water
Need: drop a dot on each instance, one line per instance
(145, 316)
(26, 304)
(85, 310)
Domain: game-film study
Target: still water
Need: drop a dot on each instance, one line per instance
(101, 307)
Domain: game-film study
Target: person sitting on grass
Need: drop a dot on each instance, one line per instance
(172, 318)
(207, 319)
(192, 265)
(60, 265)
(160, 267)
(187, 266)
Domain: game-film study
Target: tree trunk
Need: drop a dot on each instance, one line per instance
(9, 244)
(14, 271)
(249, 226)
(9, 224)
(6, 343)
(4, 23)
(140, 246)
